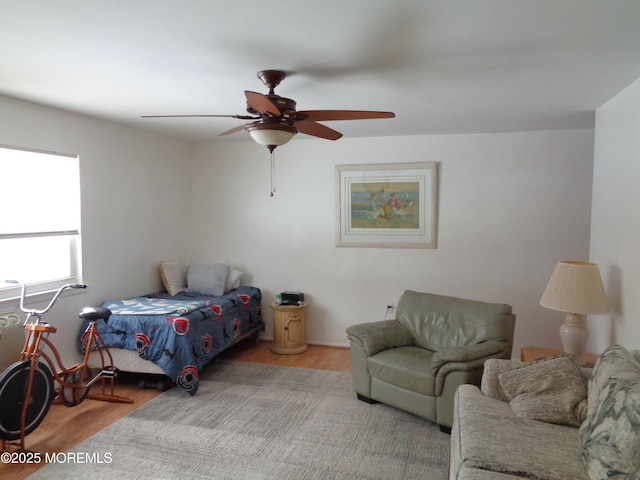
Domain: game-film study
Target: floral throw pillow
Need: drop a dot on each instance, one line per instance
(610, 435)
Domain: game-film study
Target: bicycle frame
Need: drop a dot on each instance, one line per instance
(33, 350)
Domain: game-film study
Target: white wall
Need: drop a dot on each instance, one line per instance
(136, 203)
(615, 227)
(510, 207)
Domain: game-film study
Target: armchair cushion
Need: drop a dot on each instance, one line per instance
(377, 336)
(407, 367)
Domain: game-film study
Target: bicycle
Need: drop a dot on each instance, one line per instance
(27, 386)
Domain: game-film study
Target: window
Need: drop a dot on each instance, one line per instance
(39, 220)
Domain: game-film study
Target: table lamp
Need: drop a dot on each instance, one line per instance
(575, 288)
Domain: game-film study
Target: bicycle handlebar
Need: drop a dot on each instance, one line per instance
(57, 294)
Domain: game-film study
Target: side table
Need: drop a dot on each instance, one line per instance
(531, 354)
(288, 328)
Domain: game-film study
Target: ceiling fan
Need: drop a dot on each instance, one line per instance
(276, 121)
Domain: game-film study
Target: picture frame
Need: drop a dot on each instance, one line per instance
(387, 205)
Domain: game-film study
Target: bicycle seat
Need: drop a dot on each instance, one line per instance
(95, 313)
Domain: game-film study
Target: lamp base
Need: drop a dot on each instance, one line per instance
(574, 334)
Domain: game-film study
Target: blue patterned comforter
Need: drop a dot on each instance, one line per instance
(182, 333)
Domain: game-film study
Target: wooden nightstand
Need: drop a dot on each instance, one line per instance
(531, 354)
(288, 328)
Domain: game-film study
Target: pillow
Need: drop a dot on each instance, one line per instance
(610, 436)
(172, 278)
(233, 279)
(553, 390)
(208, 279)
(493, 367)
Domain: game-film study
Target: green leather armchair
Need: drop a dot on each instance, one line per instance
(436, 343)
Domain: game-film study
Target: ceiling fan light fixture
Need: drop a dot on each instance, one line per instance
(268, 134)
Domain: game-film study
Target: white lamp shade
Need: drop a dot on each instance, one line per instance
(276, 134)
(576, 287)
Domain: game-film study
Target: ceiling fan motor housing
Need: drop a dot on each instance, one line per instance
(285, 105)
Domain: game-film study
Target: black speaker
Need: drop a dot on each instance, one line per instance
(292, 298)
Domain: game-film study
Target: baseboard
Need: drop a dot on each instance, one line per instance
(318, 344)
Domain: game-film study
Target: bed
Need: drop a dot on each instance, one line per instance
(178, 333)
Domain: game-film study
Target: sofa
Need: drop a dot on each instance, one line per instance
(416, 361)
(550, 420)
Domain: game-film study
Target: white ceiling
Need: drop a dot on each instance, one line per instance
(455, 66)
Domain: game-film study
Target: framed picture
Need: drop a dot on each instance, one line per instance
(387, 205)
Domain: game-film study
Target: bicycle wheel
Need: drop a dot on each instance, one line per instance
(73, 396)
(13, 387)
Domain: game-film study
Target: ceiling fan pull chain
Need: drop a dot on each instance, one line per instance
(273, 168)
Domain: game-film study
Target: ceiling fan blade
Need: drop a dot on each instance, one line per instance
(241, 117)
(324, 115)
(317, 130)
(260, 103)
(233, 130)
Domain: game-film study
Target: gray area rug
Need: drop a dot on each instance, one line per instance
(256, 421)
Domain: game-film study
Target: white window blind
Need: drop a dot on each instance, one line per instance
(39, 219)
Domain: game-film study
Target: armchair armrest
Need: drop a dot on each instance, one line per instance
(466, 353)
(465, 360)
(377, 336)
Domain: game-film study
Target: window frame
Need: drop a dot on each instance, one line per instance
(11, 292)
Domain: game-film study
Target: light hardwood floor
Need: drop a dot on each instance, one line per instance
(64, 427)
